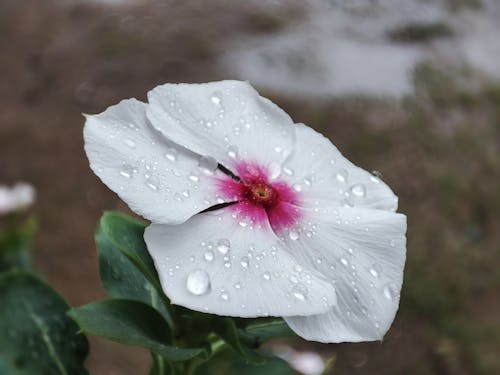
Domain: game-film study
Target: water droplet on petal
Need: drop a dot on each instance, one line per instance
(342, 175)
(294, 235)
(224, 296)
(171, 154)
(299, 291)
(374, 272)
(232, 152)
(390, 291)
(127, 171)
(223, 245)
(274, 170)
(208, 164)
(130, 143)
(216, 98)
(152, 182)
(198, 282)
(266, 276)
(244, 262)
(208, 256)
(358, 190)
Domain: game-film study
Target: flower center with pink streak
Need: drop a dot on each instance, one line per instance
(259, 199)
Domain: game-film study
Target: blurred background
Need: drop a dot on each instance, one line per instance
(409, 88)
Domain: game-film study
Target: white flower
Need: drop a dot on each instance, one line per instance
(309, 237)
(307, 363)
(16, 198)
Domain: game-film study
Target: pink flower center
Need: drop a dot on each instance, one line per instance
(260, 199)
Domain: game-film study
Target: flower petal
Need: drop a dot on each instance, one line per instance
(227, 120)
(215, 263)
(362, 252)
(156, 178)
(323, 175)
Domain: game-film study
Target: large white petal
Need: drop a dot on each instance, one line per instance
(156, 178)
(227, 120)
(222, 264)
(362, 252)
(323, 176)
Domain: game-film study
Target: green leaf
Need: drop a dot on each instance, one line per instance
(36, 336)
(131, 323)
(226, 329)
(161, 366)
(233, 365)
(126, 268)
(261, 332)
(15, 241)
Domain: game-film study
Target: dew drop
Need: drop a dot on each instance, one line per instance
(130, 143)
(298, 268)
(266, 276)
(208, 256)
(127, 171)
(198, 282)
(377, 176)
(244, 262)
(216, 98)
(194, 178)
(299, 291)
(373, 272)
(171, 154)
(152, 182)
(232, 152)
(342, 175)
(297, 187)
(389, 291)
(358, 190)
(294, 235)
(224, 296)
(223, 245)
(274, 170)
(308, 181)
(208, 164)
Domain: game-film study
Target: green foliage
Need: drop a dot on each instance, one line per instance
(36, 336)
(15, 241)
(131, 323)
(230, 365)
(126, 269)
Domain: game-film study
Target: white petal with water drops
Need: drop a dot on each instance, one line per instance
(260, 292)
(366, 270)
(242, 123)
(150, 173)
(336, 179)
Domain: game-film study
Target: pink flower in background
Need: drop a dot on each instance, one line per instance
(253, 215)
(15, 198)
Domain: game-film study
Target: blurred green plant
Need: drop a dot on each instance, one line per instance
(36, 335)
